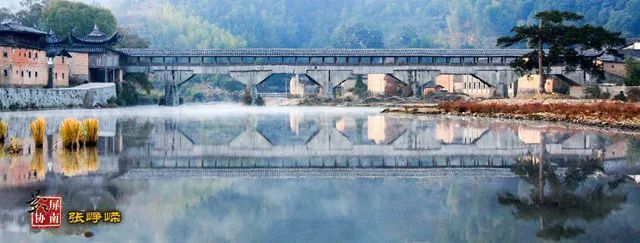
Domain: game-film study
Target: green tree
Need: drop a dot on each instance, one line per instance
(632, 66)
(63, 17)
(556, 42)
(5, 14)
(357, 36)
(557, 201)
(131, 39)
(30, 13)
(360, 88)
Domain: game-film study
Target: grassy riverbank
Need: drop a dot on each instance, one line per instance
(586, 112)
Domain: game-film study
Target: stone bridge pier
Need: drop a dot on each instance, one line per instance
(329, 79)
(416, 78)
(251, 79)
(172, 80)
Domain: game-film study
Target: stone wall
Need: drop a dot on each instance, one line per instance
(579, 91)
(86, 95)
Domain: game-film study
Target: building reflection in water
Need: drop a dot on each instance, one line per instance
(355, 140)
(295, 118)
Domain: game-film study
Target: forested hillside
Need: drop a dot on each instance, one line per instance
(349, 23)
(376, 23)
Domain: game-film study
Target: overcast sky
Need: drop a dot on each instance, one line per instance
(14, 5)
(10, 4)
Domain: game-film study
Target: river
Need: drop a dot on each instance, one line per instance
(229, 173)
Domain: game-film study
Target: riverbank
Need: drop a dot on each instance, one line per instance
(609, 114)
(86, 95)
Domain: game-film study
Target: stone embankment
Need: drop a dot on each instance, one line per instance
(86, 95)
(607, 114)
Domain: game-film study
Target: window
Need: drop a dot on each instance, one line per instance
(36, 74)
(21, 73)
(56, 75)
(29, 74)
(6, 73)
(62, 60)
(62, 75)
(29, 54)
(36, 55)
(5, 54)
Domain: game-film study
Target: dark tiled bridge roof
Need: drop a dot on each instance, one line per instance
(327, 52)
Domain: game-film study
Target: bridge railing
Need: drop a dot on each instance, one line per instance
(326, 61)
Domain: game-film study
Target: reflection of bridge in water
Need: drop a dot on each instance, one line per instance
(335, 145)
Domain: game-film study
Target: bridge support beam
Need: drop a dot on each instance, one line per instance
(251, 79)
(416, 78)
(172, 79)
(498, 79)
(329, 79)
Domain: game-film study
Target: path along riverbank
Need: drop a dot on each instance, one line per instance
(608, 114)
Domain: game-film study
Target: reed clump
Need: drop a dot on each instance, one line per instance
(15, 147)
(90, 129)
(37, 128)
(4, 131)
(70, 133)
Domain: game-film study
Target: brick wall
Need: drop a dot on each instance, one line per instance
(79, 66)
(21, 67)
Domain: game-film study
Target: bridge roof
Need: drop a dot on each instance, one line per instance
(278, 52)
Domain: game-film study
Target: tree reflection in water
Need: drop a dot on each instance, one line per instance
(559, 200)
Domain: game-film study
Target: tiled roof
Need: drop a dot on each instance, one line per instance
(11, 26)
(57, 51)
(431, 84)
(94, 39)
(277, 52)
(84, 49)
(631, 41)
(54, 39)
(631, 54)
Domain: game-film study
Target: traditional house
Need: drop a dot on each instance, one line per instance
(33, 58)
(431, 87)
(632, 44)
(26, 61)
(301, 85)
(386, 85)
(465, 84)
(96, 60)
(530, 84)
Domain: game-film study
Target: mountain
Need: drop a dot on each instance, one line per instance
(327, 23)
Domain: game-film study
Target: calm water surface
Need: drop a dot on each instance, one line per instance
(226, 173)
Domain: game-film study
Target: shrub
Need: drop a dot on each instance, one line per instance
(633, 94)
(4, 131)
(90, 128)
(70, 133)
(37, 128)
(246, 97)
(594, 92)
(15, 147)
(620, 97)
(259, 101)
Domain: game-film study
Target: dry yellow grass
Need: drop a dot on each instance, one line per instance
(4, 131)
(70, 162)
(37, 163)
(37, 128)
(90, 128)
(15, 147)
(90, 159)
(70, 133)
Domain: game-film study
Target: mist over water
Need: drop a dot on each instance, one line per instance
(226, 172)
